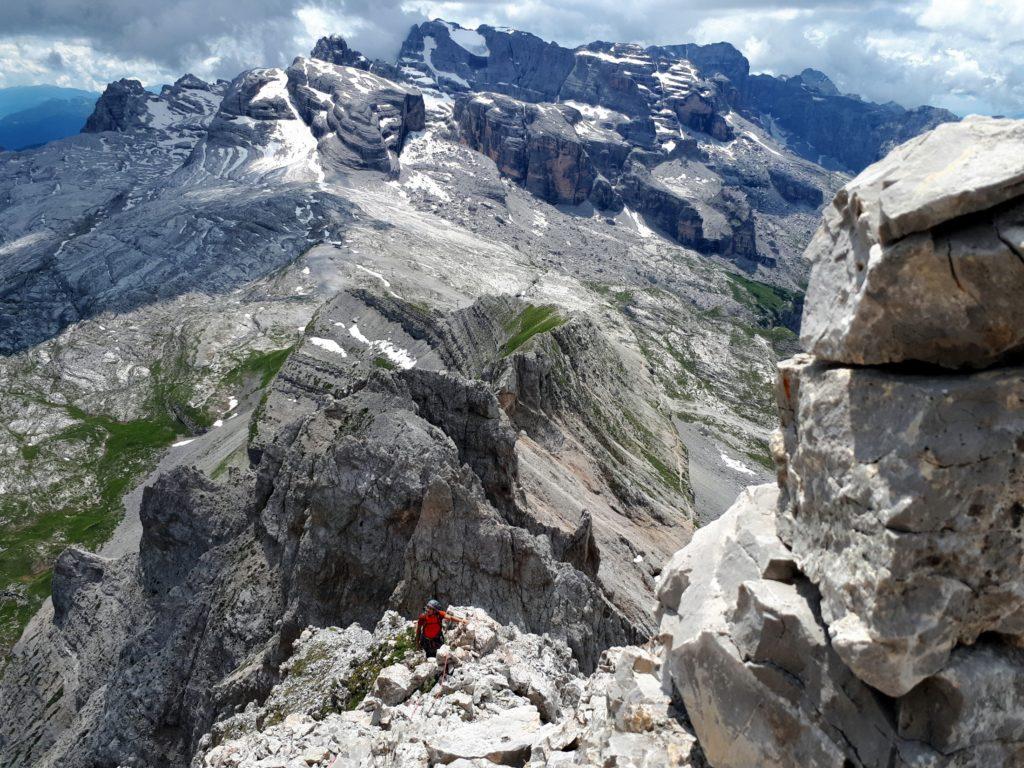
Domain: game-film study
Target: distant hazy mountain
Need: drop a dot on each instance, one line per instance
(35, 114)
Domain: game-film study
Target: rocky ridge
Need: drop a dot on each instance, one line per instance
(374, 486)
(862, 611)
(493, 696)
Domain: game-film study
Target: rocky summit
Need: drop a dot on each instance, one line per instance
(500, 323)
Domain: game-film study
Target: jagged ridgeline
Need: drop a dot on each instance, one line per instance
(496, 323)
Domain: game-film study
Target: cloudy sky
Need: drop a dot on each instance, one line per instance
(966, 55)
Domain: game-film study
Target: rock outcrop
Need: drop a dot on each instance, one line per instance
(506, 61)
(184, 107)
(928, 240)
(904, 505)
(335, 50)
(493, 696)
(869, 614)
(307, 122)
(121, 107)
(534, 145)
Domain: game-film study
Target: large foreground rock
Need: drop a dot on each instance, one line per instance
(903, 503)
(750, 654)
(921, 257)
(751, 658)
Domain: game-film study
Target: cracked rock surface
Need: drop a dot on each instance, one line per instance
(921, 257)
(867, 611)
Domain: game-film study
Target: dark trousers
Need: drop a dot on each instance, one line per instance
(431, 644)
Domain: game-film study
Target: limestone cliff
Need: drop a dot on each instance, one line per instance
(868, 611)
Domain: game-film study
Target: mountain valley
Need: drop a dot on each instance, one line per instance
(498, 321)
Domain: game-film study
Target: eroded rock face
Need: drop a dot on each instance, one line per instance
(750, 656)
(121, 107)
(533, 145)
(921, 257)
(904, 504)
(763, 682)
(725, 227)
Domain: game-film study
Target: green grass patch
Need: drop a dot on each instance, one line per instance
(623, 298)
(530, 322)
(84, 508)
(384, 655)
(669, 477)
(172, 394)
(768, 299)
(34, 533)
(383, 362)
(759, 453)
(236, 457)
(261, 365)
(777, 310)
(14, 615)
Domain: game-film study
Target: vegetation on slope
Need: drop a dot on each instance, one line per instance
(531, 321)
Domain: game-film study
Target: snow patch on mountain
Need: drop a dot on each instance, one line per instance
(329, 344)
(429, 46)
(467, 39)
(400, 357)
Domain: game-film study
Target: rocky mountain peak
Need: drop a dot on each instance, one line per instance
(335, 49)
(120, 108)
(817, 81)
(189, 80)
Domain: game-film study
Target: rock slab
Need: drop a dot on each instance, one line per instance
(921, 257)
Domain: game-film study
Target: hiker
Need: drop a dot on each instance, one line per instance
(430, 628)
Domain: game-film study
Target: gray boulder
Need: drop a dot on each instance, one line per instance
(903, 503)
(750, 656)
(394, 684)
(921, 257)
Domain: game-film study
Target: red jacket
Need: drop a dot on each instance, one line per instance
(430, 624)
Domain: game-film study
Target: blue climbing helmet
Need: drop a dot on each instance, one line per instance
(434, 604)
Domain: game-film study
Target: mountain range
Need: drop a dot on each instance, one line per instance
(496, 291)
(33, 115)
